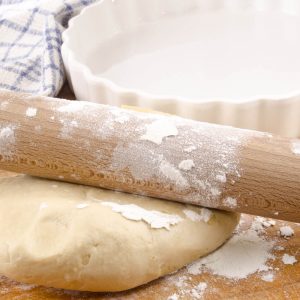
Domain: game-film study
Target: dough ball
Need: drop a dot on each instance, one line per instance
(82, 238)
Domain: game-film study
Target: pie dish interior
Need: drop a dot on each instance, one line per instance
(224, 61)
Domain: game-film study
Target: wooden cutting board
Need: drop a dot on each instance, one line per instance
(286, 284)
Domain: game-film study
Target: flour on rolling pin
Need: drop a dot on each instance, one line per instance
(7, 139)
(122, 148)
(296, 147)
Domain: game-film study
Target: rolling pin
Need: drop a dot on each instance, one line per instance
(149, 154)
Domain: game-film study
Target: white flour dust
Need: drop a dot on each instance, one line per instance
(158, 130)
(43, 205)
(205, 215)
(259, 224)
(82, 205)
(74, 106)
(295, 146)
(173, 297)
(243, 255)
(172, 173)
(230, 202)
(190, 149)
(268, 277)
(154, 218)
(286, 231)
(186, 164)
(186, 288)
(31, 112)
(163, 149)
(289, 259)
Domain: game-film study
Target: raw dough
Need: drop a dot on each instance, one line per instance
(62, 235)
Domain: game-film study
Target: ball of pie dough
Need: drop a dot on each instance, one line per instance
(83, 238)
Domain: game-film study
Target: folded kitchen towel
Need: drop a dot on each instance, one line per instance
(30, 42)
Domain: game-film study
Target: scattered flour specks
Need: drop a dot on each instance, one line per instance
(31, 112)
(215, 191)
(173, 297)
(43, 205)
(74, 106)
(279, 248)
(268, 277)
(286, 231)
(288, 259)
(230, 202)
(3, 104)
(221, 178)
(120, 117)
(186, 164)
(38, 128)
(82, 205)
(259, 224)
(296, 147)
(158, 130)
(172, 173)
(67, 128)
(7, 140)
(154, 218)
(186, 289)
(198, 291)
(205, 215)
(190, 149)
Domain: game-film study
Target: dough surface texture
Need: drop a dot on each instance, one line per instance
(82, 238)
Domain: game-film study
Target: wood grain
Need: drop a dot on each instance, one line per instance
(44, 145)
(286, 284)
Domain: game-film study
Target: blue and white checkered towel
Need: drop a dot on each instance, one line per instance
(30, 42)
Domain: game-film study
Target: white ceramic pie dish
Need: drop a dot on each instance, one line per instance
(234, 62)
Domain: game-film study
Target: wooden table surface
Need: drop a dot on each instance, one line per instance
(286, 283)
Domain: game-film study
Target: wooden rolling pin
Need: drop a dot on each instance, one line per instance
(148, 154)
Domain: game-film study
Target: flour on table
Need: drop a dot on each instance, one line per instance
(198, 291)
(185, 288)
(154, 218)
(31, 112)
(268, 277)
(244, 254)
(186, 164)
(173, 297)
(279, 248)
(260, 223)
(288, 259)
(286, 231)
(158, 130)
